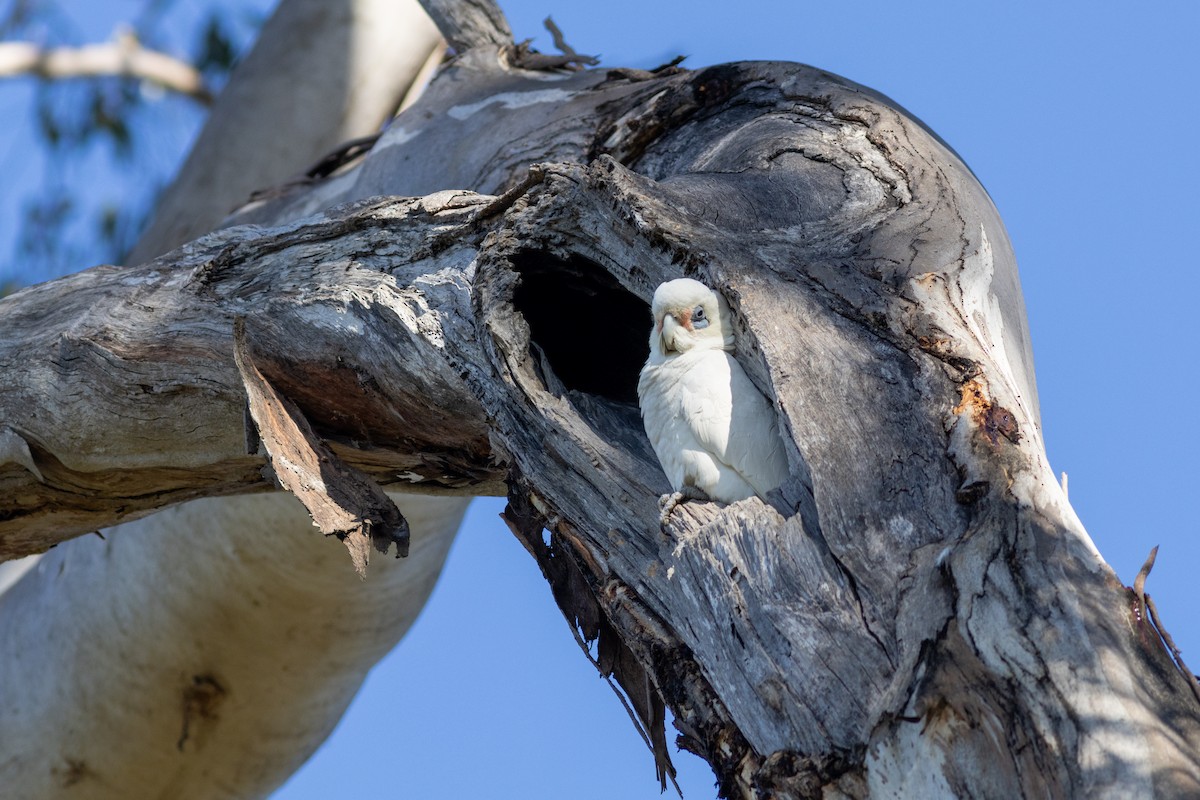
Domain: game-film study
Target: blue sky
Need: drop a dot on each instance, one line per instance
(1080, 119)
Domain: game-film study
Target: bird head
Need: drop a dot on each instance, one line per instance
(688, 316)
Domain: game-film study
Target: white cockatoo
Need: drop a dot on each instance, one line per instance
(713, 431)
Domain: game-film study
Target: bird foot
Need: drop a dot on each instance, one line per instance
(669, 502)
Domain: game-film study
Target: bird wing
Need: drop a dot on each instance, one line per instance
(732, 420)
(684, 402)
(755, 448)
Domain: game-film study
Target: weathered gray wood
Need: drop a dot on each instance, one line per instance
(917, 611)
(468, 24)
(929, 556)
(341, 500)
(143, 357)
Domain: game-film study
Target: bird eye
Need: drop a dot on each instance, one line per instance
(699, 318)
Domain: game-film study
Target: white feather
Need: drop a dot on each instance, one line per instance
(709, 425)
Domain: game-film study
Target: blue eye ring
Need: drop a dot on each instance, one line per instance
(699, 318)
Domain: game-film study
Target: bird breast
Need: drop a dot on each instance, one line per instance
(710, 426)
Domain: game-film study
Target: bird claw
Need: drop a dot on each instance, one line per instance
(669, 502)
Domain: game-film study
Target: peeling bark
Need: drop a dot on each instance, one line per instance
(342, 501)
(916, 612)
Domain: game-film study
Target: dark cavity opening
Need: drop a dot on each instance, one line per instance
(593, 332)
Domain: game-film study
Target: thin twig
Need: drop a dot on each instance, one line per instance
(1139, 583)
(535, 175)
(1145, 604)
(626, 73)
(670, 66)
(637, 723)
(526, 57)
(587, 651)
(559, 41)
(1170, 643)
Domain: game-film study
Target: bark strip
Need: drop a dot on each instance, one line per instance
(343, 502)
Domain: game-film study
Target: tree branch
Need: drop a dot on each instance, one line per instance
(146, 405)
(125, 57)
(467, 24)
(236, 592)
(285, 106)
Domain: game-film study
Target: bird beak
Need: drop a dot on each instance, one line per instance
(668, 329)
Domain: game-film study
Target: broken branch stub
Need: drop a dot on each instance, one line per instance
(342, 501)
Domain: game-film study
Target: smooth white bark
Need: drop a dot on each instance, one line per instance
(203, 652)
(320, 73)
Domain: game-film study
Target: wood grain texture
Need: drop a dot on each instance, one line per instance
(148, 403)
(200, 625)
(342, 501)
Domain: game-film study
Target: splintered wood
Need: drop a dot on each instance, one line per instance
(343, 502)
